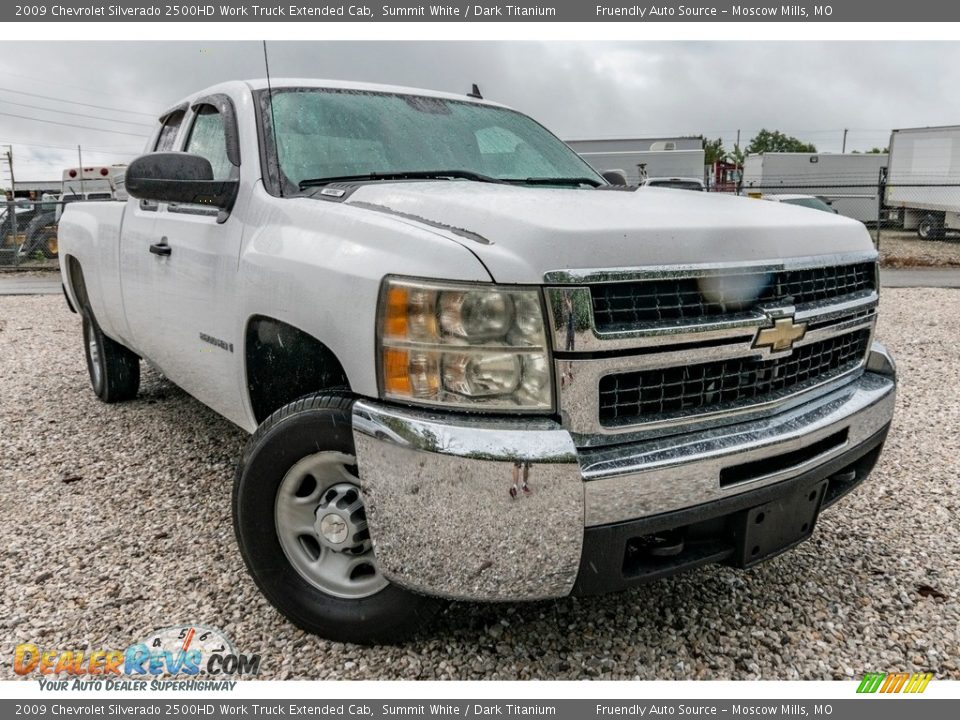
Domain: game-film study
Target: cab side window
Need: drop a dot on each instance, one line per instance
(168, 133)
(208, 138)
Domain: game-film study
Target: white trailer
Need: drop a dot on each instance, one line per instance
(93, 183)
(849, 181)
(923, 179)
(638, 165)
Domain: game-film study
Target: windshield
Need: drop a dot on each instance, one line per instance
(324, 133)
(814, 203)
(676, 184)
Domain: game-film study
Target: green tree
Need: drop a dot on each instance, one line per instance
(737, 155)
(877, 151)
(713, 151)
(776, 141)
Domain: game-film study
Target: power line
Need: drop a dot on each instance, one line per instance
(77, 102)
(73, 148)
(81, 127)
(48, 81)
(70, 147)
(69, 112)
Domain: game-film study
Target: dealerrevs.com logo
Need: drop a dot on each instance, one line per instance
(191, 651)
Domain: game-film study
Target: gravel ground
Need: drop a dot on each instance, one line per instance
(115, 520)
(905, 249)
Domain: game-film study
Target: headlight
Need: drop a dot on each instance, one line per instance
(471, 346)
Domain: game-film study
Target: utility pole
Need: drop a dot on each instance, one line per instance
(13, 183)
(12, 207)
(845, 130)
(738, 172)
(80, 160)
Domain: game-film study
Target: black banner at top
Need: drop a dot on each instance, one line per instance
(483, 11)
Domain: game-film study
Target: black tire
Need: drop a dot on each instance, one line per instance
(114, 370)
(41, 234)
(49, 243)
(931, 227)
(319, 423)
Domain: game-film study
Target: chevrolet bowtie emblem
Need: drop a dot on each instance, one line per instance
(781, 336)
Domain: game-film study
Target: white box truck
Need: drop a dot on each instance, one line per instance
(848, 181)
(923, 179)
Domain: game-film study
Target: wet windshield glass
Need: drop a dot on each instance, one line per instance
(325, 133)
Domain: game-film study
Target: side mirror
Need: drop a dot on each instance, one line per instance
(615, 177)
(178, 177)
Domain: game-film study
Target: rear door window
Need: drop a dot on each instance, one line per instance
(168, 133)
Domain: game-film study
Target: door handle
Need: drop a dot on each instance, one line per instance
(161, 248)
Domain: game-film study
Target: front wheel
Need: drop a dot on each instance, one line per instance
(301, 526)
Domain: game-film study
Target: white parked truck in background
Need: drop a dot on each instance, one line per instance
(100, 182)
(849, 182)
(471, 368)
(923, 179)
(87, 183)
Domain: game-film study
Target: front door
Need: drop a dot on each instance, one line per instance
(182, 308)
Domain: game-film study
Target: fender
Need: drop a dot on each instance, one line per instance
(284, 363)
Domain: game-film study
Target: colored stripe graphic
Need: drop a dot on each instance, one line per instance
(894, 683)
(920, 684)
(871, 682)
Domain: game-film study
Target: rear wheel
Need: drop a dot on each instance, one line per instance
(931, 227)
(48, 243)
(301, 526)
(114, 370)
(41, 235)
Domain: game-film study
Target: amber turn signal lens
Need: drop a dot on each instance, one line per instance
(396, 371)
(395, 323)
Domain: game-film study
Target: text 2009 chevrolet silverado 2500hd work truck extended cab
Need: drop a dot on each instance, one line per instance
(472, 369)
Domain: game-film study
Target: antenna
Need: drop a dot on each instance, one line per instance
(475, 92)
(273, 119)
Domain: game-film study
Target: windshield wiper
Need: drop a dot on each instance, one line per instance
(409, 175)
(554, 181)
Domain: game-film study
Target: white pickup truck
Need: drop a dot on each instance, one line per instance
(472, 368)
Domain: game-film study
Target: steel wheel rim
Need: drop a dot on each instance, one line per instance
(302, 491)
(96, 372)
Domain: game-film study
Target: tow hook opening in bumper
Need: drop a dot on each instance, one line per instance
(755, 527)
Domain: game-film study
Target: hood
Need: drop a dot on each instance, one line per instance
(521, 233)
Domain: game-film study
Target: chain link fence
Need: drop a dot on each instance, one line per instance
(28, 233)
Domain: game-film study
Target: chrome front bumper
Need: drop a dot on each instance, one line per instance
(475, 508)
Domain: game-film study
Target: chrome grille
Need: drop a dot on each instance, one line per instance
(655, 350)
(706, 387)
(624, 305)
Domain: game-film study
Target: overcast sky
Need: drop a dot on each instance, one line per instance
(579, 90)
